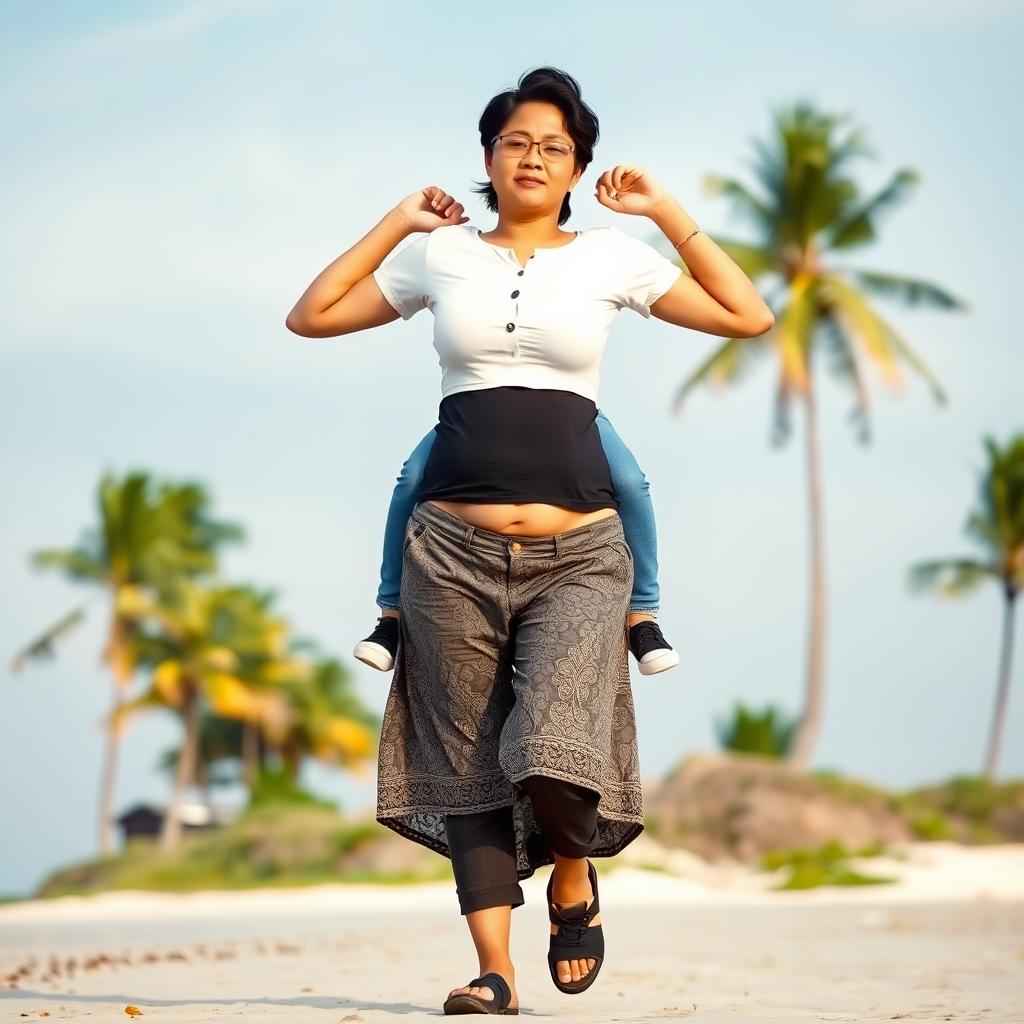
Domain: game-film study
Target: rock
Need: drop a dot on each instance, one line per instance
(742, 806)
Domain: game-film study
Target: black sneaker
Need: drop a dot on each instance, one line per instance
(379, 648)
(652, 651)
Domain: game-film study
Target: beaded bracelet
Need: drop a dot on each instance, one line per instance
(687, 238)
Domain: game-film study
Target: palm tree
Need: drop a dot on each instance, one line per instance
(147, 534)
(218, 753)
(208, 645)
(329, 723)
(998, 525)
(811, 209)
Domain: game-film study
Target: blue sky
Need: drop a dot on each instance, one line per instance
(175, 176)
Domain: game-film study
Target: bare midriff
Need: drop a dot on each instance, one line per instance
(532, 519)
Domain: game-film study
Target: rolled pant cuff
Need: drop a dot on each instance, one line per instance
(508, 894)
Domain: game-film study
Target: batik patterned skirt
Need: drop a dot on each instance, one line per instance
(512, 661)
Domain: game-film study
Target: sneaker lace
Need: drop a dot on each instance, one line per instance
(647, 632)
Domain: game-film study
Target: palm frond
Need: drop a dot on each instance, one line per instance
(76, 563)
(858, 228)
(43, 645)
(902, 346)
(951, 577)
(729, 363)
(847, 365)
(744, 201)
(908, 290)
(793, 333)
(861, 321)
(782, 407)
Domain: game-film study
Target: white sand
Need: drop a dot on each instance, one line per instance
(931, 872)
(708, 942)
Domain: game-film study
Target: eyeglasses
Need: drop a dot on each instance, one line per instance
(517, 144)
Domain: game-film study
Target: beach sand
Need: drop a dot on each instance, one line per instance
(708, 944)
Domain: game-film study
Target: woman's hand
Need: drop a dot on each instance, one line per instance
(628, 189)
(431, 208)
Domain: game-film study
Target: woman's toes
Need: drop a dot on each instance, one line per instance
(574, 970)
(476, 990)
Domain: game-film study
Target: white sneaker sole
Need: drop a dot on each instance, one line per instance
(660, 664)
(374, 655)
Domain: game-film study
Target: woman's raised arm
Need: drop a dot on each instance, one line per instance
(344, 297)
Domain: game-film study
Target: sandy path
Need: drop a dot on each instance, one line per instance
(279, 956)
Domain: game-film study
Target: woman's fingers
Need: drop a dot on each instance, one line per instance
(610, 188)
(438, 202)
(447, 207)
(620, 178)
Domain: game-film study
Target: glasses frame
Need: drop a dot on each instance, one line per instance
(533, 142)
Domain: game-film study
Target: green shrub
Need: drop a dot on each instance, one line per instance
(768, 732)
(275, 786)
(827, 864)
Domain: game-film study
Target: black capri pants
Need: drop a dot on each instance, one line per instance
(482, 843)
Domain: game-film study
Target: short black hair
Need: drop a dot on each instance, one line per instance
(544, 85)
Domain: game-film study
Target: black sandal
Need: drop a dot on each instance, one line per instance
(465, 1002)
(576, 938)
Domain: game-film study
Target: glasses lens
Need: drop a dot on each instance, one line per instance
(514, 145)
(517, 145)
(555, 150)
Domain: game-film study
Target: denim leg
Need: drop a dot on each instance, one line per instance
(636, 510)
(402, 501)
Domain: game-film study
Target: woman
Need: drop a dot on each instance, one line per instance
(509, 735)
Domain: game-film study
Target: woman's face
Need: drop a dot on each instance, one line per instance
(538, 121)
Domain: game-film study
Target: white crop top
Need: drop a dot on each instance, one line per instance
(498, 324)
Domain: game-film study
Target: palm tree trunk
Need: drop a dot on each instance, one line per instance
(114, 656)
(170, 833)
(1003, 690)
(806, 734)
(251, 753)
(291, 760)
(108, 778)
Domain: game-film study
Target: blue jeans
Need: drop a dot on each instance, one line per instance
(631, 488)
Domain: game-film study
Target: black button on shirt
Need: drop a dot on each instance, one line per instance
(515, 294)
(520, 274)
(510, 327)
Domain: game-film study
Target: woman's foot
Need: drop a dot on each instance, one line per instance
(506, 970)
(378, 650)
(570, 888)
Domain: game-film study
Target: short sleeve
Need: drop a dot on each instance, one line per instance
(643, 275)
(402, 278)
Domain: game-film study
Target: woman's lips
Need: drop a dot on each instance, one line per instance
(527, 183)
